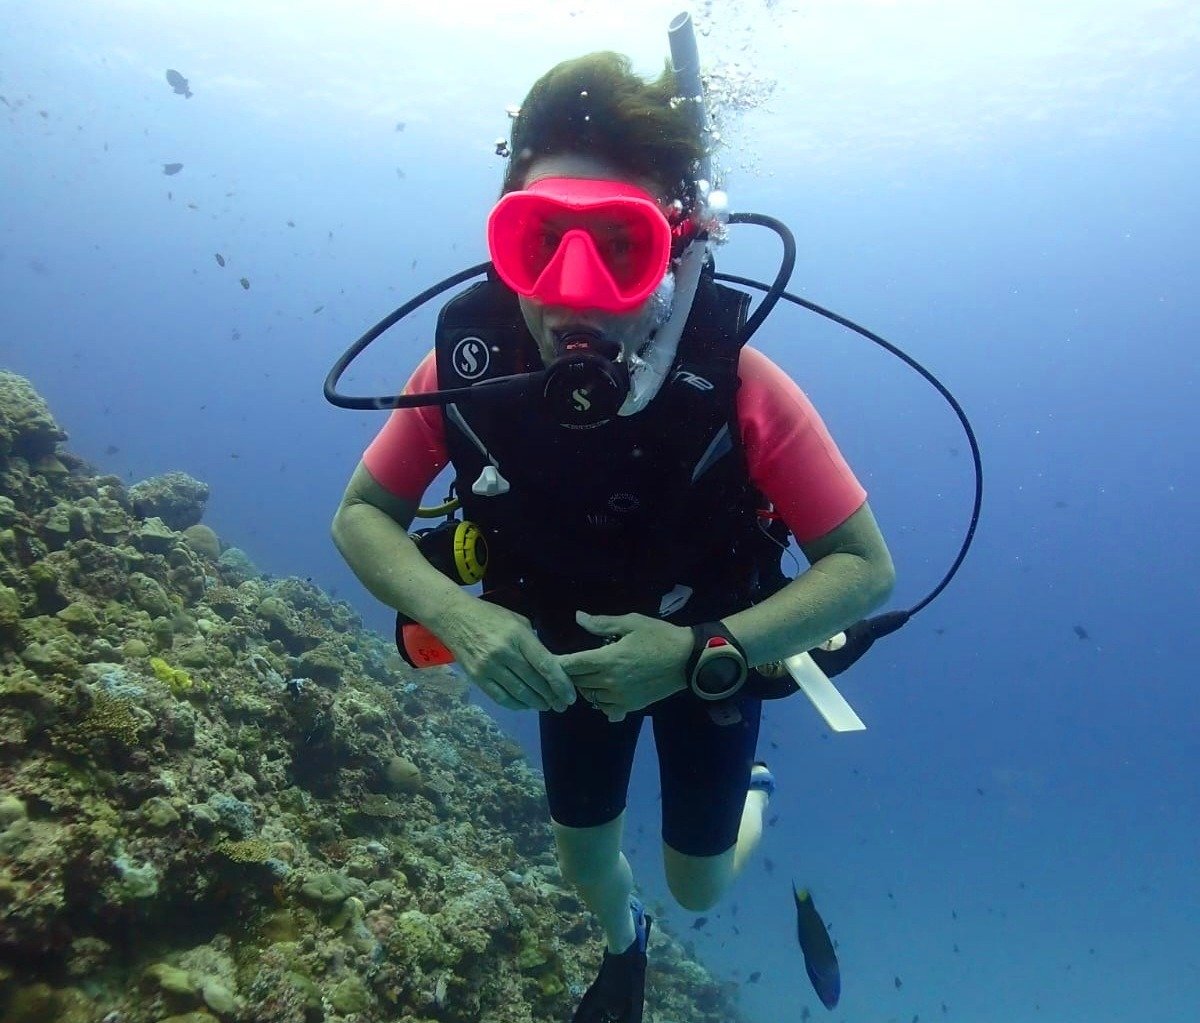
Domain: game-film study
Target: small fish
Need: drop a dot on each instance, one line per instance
(805, 1013)
(754, 977)
(768, 865)
(178, 84)
(399, 126)
(112, 449)
(236, 335)
(245, 283)
(399, 173)
(1081, 632)
(219, 258)
(699, 922)
(898, 982)
(318, 309)
(172, 168)
(820, 960)
(291, 223)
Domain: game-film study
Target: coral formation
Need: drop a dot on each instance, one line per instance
(222, 801)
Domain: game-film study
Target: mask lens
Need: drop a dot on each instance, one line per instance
(580, 243)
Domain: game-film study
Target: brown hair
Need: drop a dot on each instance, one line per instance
(595, 105)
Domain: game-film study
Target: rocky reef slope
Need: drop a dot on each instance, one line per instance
(222, 800)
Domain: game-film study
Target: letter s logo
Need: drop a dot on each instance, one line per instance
(471, 358)
(579, 399)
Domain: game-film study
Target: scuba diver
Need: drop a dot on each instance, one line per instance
(630, 474)
(624, 539)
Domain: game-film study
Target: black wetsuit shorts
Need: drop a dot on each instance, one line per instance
(704, 768)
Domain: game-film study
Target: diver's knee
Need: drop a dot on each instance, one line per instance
(587, 855)
(697, 882)
(693, 898)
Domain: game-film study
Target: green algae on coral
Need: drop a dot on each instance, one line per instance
(175, 679)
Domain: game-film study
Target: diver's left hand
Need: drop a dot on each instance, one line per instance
(642, 662)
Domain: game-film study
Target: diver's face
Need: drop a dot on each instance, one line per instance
(547, 322)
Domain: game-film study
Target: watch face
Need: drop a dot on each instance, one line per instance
(719, 671)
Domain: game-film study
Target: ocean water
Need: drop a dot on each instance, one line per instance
(1007, 192)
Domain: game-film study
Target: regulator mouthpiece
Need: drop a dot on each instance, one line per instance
(585, 384)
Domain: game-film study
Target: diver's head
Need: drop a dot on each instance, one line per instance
(596, 106)
(586, 249)
(598, 204)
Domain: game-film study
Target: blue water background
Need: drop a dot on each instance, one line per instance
(1016, 834)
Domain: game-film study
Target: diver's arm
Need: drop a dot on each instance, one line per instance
(495, 646)
(849, 575)
(370, 529)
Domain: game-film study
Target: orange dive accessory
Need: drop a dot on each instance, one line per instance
(458, 550)
(581, 243)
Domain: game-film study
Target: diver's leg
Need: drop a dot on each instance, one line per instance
(591, 860)
(586, 763)
(697, 882)
(750, 828)
(712, 820)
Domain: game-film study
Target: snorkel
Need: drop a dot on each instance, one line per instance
(650, 362)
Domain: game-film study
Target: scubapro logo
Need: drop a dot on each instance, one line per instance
(579, 400)
(471, 358)
(693, 380)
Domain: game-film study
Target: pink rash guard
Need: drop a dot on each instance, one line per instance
(791, 457)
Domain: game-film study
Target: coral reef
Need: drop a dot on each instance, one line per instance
(223, 801)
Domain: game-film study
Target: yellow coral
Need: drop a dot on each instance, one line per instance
(176, 679)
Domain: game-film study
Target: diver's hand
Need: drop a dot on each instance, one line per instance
(642, 663)
(498, 649)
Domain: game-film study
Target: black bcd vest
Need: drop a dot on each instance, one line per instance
(616, 515)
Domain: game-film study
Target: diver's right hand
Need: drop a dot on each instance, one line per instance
(498, 649)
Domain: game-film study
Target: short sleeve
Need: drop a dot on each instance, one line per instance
(410, 449)
(790, 454)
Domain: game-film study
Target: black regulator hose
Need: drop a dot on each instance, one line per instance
(861, 636)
